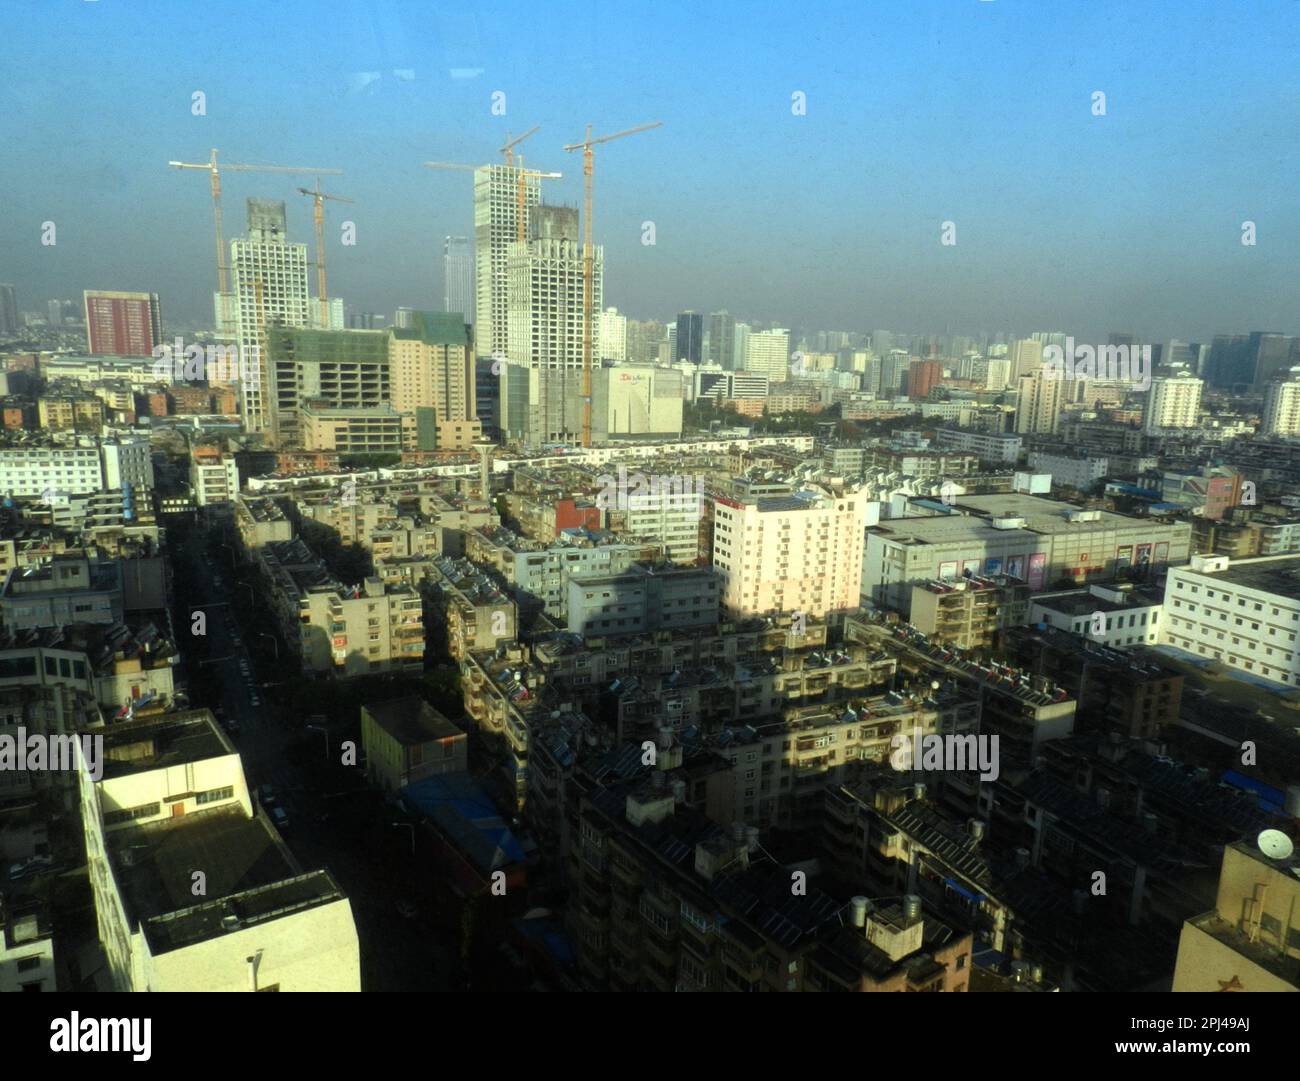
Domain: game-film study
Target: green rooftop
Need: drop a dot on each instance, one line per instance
(434, 328)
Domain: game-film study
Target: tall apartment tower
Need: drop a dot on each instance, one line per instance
(722, 340)
(269, 279)
(8, 310)
(1025, 356)
(1039, 404)
(458, 277)
(922, 377)
(122, 324)
(541, 400)
(613, 335)
(431, 379)
(496, 228)
(1282, 405)
(690, 337)
(769, 354)
(1173, 402)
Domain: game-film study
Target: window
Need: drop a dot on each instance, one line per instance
(215, 795)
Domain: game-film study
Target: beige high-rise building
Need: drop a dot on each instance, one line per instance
(1173, 402)
(798, 553)
(431, 376)
(1282, 406)
(768, 352)
(1038, 406)
(1025, 356)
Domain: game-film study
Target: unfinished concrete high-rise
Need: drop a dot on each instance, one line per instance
(269, 281)
(541, 399)
(496, 228)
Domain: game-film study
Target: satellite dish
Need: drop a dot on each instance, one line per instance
(1275, 844)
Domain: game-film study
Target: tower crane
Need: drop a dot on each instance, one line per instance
(214, 171)
(588, 164)
(318, 217)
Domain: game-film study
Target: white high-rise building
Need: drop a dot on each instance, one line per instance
(1025, 356)
(800, 553)
(613, 335)
(458, 277)
(269, 279)
(1038, 406)
(541, 394)
(997, 373)
(496, 228)
(1173, 402)
(740, 354)
(1282, 406)
(769, 353)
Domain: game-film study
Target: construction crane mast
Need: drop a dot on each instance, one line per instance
(588, 164)
(318, 218)
(214, 171)
(508, 149)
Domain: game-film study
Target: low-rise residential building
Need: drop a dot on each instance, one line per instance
(173, 803)
(369, 627)
(643, 598)
(407, 740)
(214, 476)
(1113, 615)
(69, 588)
(969, 612)
(1243, 613)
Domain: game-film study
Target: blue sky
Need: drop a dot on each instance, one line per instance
(971, 111)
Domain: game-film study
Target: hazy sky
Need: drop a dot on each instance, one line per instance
(977, 112)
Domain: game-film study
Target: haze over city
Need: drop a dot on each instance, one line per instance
(978, 113)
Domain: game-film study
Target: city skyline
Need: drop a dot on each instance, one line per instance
(1103, 234)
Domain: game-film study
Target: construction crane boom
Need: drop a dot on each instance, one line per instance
(588, 167)
(318, 219)
(214, 169)
(508, 149)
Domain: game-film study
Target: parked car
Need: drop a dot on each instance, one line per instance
(280, 817)
(266, 793)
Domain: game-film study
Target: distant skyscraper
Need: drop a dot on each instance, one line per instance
(1173, 402)
(690, 337)
(769, 353)
(1039, 403)
(543, 383)
(54, 313)
(1282, 405)
(1274, 354)
(269, 278)
(613, 335)
(1025, 355)
(741, 352)
(8, 310)
(496, 228)
(122, 324)
(922, 376)
(1230, 361)
(722, 340)
(643, 339)
(458, 277)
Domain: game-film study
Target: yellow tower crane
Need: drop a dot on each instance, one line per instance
(588, 164)
(508, 149)
(214, 171)
(318, 218)
(520, 188)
